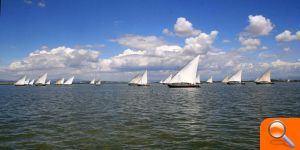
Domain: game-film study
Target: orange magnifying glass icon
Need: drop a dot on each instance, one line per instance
(277, 130)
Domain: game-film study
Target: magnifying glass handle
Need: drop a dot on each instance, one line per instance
(292, 145)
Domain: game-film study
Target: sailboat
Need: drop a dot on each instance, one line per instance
(93, 81)
(210, 80)
(168, 79)
(265, 78)
(134, 80)
(31, 82)
(185, 77)
(143, 80)
(161, 81)
(21, 81)
(48, 82)
(27, 81)
(225, 80)
(236, 78)
(41, 81)
(69, 81)
(98, 82)
(140, 80)
(60, 82)
(198, 79)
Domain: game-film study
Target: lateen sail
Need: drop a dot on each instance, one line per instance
(61, 81)
(210, 80)
(98, 82)
(135, 79)
(168, 79)
(93, 81)
(48, 82)
(225, 80)
(266, 77)
(42, 80)
(198, 79)
(69, 81)
(188, 73)
(237, 77)
(143, 80)
(21, 81)
(31, 82)
(26, 82)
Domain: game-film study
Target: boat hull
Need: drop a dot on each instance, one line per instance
(19, 85)
(183, 85)
(264, 82)
(233, 83)
(40, 84)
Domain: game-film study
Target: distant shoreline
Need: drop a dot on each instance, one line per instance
(120, 82)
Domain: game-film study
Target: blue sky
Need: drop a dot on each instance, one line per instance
(26, 26)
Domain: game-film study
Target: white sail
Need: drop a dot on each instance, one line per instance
(98, 82)
(48, 82)
(266, 77)
(135, 79)
(188, 73)
(210, 80)
(27, 82)
(225, 80)
(161, 81)
(143, 80)
(198, 79)
(93, 81)
(31, 82)
(60, 82)
(237, 77)
(41, 80)
(69, 81)
(21, 81)
(168, 79)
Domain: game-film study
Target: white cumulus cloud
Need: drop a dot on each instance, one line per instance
(287, 36)
(259, 25)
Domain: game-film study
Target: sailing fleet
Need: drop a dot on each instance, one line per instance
(184, 78)
(42, 81)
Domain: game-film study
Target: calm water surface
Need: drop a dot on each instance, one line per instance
(118, 116)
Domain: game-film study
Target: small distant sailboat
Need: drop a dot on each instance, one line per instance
(288, 80)
(265, 78)
(48, 82)
(185, 78)
(236, 78)
(198, 79)
(27, 81)
(60, 82)
(140, 80)
(225, 80)
(41, 81)
(168, 79)
(134, 80)
(143, 80)
(21, 81)
(210, 80)
(98, 82)
(93, 81)
(31, 82)
(69, 81)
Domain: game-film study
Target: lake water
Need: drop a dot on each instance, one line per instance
(118, 116)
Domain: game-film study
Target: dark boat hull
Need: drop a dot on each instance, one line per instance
(264, 82)
(233, 83)
(183, 85)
